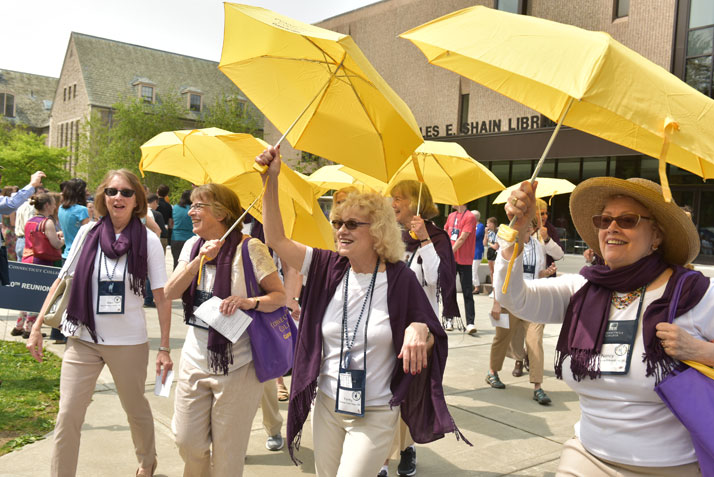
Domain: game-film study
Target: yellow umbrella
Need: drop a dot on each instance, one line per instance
(335, 177)
(580, 78)
(547, 187)
(453, 177)
(319, 89)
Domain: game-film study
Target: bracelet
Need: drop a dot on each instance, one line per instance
(164, 348)
(257, 302)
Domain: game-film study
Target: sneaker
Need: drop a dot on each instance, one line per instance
(275, 443)
(150, 305)
(15, 332)
(407, 463)
(540, 396)
(518, 369)
(383, 473)
(449, 325)
(476, 291)
(494, 381)
(471, 329)
(25, 335)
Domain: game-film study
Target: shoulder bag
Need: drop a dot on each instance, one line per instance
(272, 335)
(41, 246)
(689, 394)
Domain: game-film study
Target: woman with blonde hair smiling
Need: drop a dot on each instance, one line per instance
(363, 311)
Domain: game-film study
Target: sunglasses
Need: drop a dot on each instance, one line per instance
(626, 221)
(111, 192)
(350, 224)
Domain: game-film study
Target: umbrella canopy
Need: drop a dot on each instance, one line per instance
(615, 93)
(547, 187)
(453, 177)
(215, 155)
(335, 177)
(317, 87)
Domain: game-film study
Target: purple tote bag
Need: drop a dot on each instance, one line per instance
(272, 335)
(690, 396)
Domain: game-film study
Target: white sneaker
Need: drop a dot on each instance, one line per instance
(449, 325)
(471, 329)
(275, 443)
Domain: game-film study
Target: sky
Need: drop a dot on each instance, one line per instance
(35, 33)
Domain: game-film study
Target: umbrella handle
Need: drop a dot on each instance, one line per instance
(504, 288)
(411, 232)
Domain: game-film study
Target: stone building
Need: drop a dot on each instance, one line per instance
(98, 73)
(26, 99)
(508, 137)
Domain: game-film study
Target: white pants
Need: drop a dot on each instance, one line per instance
(347, 446)
(474, 273)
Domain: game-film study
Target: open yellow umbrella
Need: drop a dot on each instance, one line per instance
(547, 187)
(319, 89)
(453, 177)
(335, 177)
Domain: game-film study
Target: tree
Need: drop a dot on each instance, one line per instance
(233, 114)
(23, 152)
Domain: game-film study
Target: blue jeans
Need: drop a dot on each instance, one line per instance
(19, 247)
(149, 296)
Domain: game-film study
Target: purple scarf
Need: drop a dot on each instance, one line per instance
(132, 240)
(220, 349)
(420, 397)
(585, 322)
(446, 283)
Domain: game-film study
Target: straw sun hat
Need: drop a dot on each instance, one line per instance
(681, 240)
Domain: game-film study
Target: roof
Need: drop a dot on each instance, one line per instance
(111, 69)
(33, 96)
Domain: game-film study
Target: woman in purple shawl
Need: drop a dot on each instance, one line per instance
(616, 343)
(363, 311)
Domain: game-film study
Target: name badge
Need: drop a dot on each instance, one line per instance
(616, 351)
(350, 392)
(454, 234)
(110, 297)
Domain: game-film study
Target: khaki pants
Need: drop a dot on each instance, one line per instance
(534, 346)
(347, 446)
(81, 365)
(516, 349)
(576, 461)
(272, 420)
(213, 414)
(402, 439)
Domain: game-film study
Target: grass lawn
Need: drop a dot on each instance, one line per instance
(29, 395)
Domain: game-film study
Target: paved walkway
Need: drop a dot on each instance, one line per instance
(511, 433)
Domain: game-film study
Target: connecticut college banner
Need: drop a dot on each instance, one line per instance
(28, 286)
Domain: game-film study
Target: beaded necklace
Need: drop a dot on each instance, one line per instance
(622, 302)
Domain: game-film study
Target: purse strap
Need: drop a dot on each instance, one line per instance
(677, 292)
(251, 283)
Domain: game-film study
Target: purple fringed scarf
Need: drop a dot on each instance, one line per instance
(132, 240)
(220, 349)
(586, 318)
(446, 283)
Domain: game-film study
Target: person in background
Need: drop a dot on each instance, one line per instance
(8, 226)
(461, 227)
(478, 252)
(91, 212)
(339, 196)
(182, 226)
(491, 244)
(73, 211)
(167, 211)
(153, 201)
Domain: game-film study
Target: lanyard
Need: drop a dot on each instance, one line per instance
(345, 341)
(106, 267)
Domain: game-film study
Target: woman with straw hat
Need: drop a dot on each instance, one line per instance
(615, 343)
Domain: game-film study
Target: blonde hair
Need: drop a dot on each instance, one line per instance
(541, 205)
(410, 190)
(344, 191)
(385, 231)
(100, 203)
(222, 200)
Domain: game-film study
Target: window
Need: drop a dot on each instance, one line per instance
(464, 110)
(622, 8)
(7, 105)
(700, 39)
(512, 6)
(147, 93)
(194, 102)
(64, 95)
(74, 90)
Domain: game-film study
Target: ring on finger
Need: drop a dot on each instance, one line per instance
(515, 201)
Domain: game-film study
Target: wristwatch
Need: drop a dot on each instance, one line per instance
(164, 348)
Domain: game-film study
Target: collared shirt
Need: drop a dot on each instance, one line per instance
(8, 205)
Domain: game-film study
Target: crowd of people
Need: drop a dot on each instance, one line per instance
(374, 317)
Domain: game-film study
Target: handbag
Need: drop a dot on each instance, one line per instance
(689, 394)
(60, 297)
(41, 246)
(272, 334)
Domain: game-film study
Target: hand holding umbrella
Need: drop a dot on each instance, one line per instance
(520, 207)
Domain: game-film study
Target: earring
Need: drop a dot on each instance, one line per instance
(654, 247)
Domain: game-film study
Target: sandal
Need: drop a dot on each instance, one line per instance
(283, 393)
(144, 472)
(494, 381)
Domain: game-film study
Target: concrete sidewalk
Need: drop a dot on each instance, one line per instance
(511, 433)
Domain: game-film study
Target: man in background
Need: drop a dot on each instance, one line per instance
(167, 212)
(461, 227)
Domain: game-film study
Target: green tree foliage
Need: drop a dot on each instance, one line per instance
(23, 152)
(233, 114)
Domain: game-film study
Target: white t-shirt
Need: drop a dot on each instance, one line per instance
(427, 272)
(622, 418)
(128, 328)
(381, 357)
(195, 347)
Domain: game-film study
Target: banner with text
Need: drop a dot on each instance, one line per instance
(29, 285)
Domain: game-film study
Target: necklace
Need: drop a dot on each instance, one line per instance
(622, 302)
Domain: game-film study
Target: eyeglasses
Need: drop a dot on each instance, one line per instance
(112, 191)
(350, 224)
(625, 221)
(198, 206)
